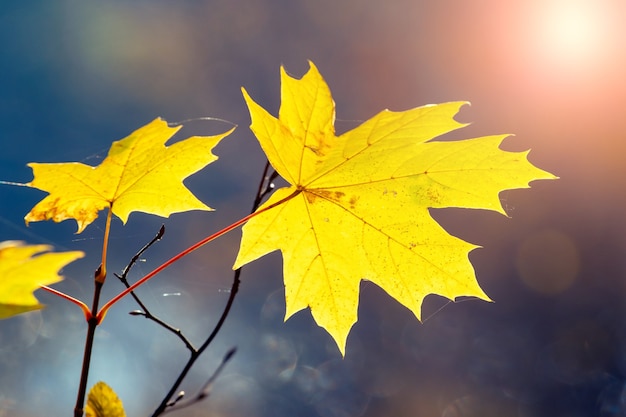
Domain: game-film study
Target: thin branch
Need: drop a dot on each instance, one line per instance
(136, 257)
(205, 391)
(265, 187)
(165, 325)
(144, 310)
(231, 298)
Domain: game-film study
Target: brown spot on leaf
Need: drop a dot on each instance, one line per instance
(330, 195)
(353, 201)
(434, 196)
(338, 196)
(310, 197)
(318, 143)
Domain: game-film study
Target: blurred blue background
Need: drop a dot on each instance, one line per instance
(77, 75)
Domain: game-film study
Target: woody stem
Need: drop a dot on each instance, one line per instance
(92, 323)
(92, 320)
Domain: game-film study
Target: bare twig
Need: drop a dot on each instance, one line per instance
(204, 392)
(144, 310)
(265, 187)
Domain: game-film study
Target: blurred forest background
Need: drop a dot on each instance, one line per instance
(77, 75)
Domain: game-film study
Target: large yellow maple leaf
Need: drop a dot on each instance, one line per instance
(139, 173)
(357, 206)
(23, 269)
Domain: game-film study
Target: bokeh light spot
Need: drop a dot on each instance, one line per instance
(548, 262)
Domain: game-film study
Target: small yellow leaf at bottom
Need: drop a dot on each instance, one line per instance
(102, 401)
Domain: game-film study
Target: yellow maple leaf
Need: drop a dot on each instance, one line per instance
(23, 268)
(357, 206)
(102, 401)
(140, 173)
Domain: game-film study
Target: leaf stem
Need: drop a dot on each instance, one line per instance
(105, 308)
(76, 301)
(105, 245)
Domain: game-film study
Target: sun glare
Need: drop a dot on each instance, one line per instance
(572, 33)
(576, 30)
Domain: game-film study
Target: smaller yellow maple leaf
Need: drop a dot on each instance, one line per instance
(140, 173)
(102, 401)
(23, 269)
